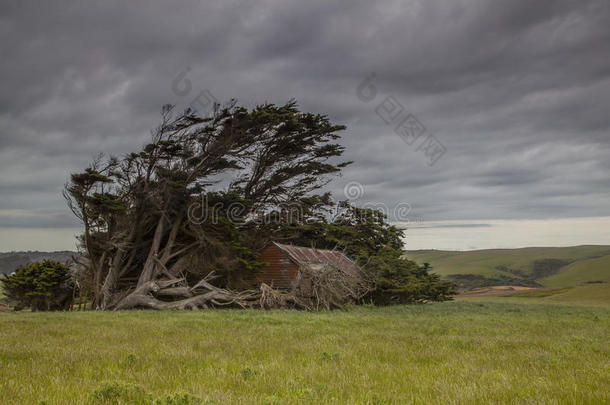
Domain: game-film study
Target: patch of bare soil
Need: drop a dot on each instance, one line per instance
(497, 291)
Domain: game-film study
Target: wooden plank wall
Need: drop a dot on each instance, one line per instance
(280, 271)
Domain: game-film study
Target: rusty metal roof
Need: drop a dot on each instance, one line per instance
(303, 255)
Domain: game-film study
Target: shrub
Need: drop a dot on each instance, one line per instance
(178, 399)
(116, 392)
(42, 286)
(398, 280)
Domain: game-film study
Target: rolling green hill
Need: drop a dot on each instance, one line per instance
(535, 267)
(582, 271)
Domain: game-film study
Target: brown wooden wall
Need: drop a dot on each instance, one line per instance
(280, 271)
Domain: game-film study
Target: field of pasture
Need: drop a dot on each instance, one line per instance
(465, 351)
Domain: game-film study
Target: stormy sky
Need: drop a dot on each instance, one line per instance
(469, 111)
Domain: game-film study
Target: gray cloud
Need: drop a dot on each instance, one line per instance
(516, 91)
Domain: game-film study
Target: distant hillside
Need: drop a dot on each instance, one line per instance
(580, 272)
(10, 261)
(533, 267)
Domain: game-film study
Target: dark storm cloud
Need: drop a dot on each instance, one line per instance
(517, 92)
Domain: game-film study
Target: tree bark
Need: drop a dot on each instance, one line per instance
(148, 272)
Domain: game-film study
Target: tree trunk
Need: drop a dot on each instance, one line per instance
(148, 272)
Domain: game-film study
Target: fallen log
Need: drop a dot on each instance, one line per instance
(319, 286)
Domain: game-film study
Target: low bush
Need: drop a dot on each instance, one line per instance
(41, 286)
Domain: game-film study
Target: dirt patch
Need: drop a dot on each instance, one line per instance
(498, 291)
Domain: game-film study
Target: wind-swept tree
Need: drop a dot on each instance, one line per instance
(201, 200)
(159, 222)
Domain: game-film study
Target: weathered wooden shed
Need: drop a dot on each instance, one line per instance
(285, 262)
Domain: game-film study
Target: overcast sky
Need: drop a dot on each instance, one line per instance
(507, 100)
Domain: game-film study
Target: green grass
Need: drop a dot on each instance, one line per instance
(585, 266)
(594, 294)
(455, 352)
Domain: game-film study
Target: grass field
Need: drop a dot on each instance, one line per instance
(467, 351)
(593, 295)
